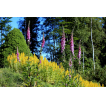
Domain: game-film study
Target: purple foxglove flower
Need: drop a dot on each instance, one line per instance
(79, 54)
(63, 42)
(28, 34)
(43, 41)
(72, 44)
(18, 55)
(40, 61)
(70, 62)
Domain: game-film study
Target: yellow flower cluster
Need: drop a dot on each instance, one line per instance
(46, 64)
(85, 83)
(51, 70)
(23, 59)
(67, 72)
(48, 70)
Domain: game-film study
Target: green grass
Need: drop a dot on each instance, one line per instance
(9, 78)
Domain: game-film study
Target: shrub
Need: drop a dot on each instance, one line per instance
(13, 40)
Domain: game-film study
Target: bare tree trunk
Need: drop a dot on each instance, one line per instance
(92, 46)
(83, 58)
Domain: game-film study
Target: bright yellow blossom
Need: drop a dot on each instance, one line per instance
(67, 72)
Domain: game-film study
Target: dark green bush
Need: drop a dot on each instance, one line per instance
(13, 40)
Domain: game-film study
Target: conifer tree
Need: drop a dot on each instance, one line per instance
(4, 27)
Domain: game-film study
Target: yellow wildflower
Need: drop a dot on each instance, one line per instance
(67, 72)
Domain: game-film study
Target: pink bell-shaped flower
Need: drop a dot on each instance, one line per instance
(43, 41)
(72, 44)
(63, 42)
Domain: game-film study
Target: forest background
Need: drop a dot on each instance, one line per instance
(53, 27)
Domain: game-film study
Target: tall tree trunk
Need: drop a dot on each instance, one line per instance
(83, 58)
(92, 46)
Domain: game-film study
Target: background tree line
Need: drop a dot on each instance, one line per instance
(82, 30)
(52, 28)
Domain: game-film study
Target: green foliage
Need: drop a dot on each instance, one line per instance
(29, 74)
(13, 40)
(99, 75)
(4, 27)
(9, 78)
(41, 83)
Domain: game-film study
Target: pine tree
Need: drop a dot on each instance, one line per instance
(4, 27)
